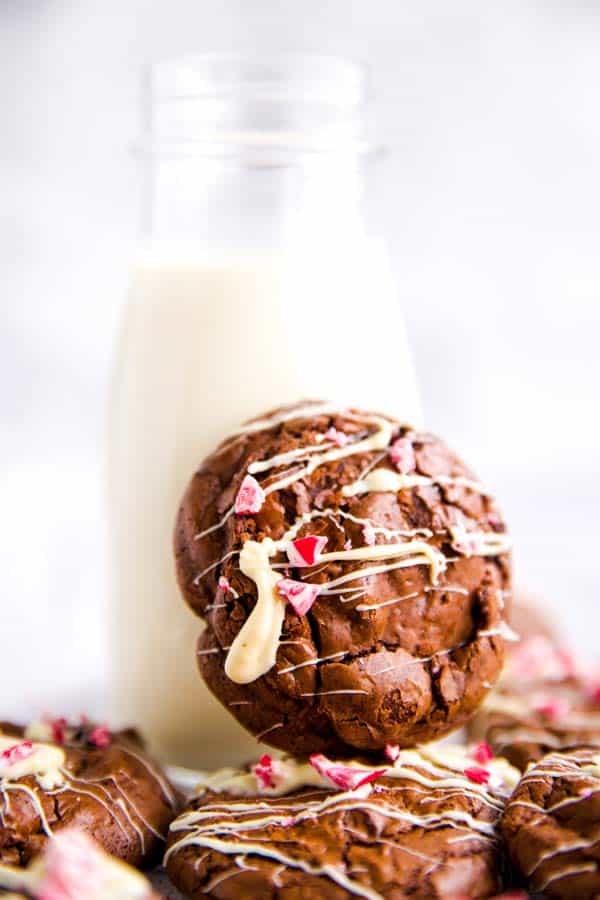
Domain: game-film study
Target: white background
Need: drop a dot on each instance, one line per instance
(494, 212)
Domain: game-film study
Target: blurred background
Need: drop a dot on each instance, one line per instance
(492, 210)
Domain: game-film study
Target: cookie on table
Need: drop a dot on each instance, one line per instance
(551, 825)
(542, 702)
(73, 867)
(351, 572)
(421, 825)
(55, 776)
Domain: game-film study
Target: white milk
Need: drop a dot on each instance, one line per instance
(209, 341)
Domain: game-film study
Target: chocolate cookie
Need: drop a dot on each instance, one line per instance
(542, 702)
(54, 776)
(420, 826)
(351, 575)
(73, 867)
(551, 825)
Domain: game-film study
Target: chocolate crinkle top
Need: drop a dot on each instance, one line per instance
(56, 775)
(422, 826)
(550, 825)
(352, 574)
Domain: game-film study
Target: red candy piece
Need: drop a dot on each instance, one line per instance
(346, 777)
(223, 583)
(553, 708)
(17, 753)
(305, 551)
(479, 776)
(482, 753)
(392, 752)
(100, 736)
(250, 497)
(348, 545)
(58, 729)
(300, 595)
(403, 455)
(264, 771)
(339, 438)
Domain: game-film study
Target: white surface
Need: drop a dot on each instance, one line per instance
(492, 200)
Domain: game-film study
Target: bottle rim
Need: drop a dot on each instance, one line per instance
(247, 105)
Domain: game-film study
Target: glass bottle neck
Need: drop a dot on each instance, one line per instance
(223, 202)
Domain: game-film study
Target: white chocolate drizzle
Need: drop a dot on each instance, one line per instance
(547, 866)
(437, 771)
(254, 650)
(387, 480)
(47, 764)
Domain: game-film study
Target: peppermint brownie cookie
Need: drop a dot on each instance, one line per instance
(551, 825)
(55, 776)
(351, 573)
(543, 702)
(422, 825)
(73, 867)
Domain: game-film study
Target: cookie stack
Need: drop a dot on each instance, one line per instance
(354, 577)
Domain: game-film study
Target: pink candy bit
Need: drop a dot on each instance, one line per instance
(100, 737)
(223, 584)
(403, 456)
(348, 545)
(482, 753)
(57, 726)
(339, 438)
(477, 775)
(305, 551)
(73, 863)
(13, 755)
(346, 777)
(369, 535)
(250, 497)
(392, 752)
(552, 708)
(264, 771)
(301, 596)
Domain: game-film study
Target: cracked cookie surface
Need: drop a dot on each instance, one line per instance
(54, 776)
(404, 633)
(419, 828)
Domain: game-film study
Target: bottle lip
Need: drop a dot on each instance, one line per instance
(250, 105)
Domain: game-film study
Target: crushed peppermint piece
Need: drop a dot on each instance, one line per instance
(17, 753)
(477, 774)
(369, 534)
(349, 778)
(305, 551)
(482, 753)
(552, 708)
(348, 545)
(593, 692)
(223, 583)
(392, 752)
(58, 726)
(339, 438)
(300, 595)
(265, 771)
(250, 497)
(403, 455)
(100, 736)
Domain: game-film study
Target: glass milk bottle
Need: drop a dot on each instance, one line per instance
(259, 283)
